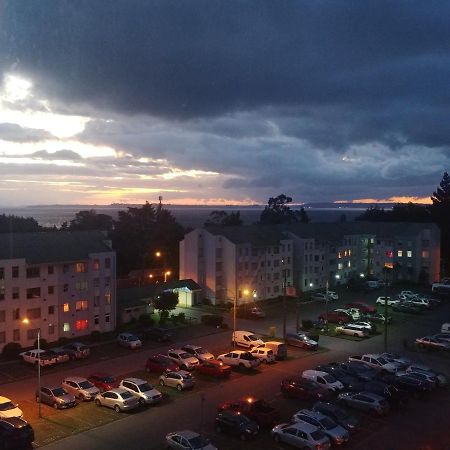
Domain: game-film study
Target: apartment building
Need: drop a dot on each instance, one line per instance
(226, 260)
(64, 283)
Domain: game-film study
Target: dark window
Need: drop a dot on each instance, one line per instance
(34, 292)
(107, 263)
(51, 290)
(2, 273)
(33, 272)
(15, 292)
(51, 310)
(50, 270)
(15, 271)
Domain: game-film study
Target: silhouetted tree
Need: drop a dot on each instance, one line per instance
(225, 219)
(304, 218)
(90, 220)
(165, 302)
(278, 212)
(16, 224)
(374, 214)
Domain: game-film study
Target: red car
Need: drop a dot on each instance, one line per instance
(160, 363)
(103, 381)
(339, 317)
(214, 368)
(363, 307)
(258, 410)
(302, 388)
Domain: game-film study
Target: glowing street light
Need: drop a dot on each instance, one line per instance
(167, 273)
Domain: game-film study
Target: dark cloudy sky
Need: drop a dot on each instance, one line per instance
(206, 101)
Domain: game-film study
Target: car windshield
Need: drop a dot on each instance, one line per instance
(85, 385)
(198, 442)
(133, 338)
(317, 435)
(339, 414)
(144, 387)
(126, 395)
(107, 379)
(383, 361)
(7, 405)
(59, 392)
(252, 337)
(327, 423)
(184, 355)
(247, 356)
(201, 351)
(186, 376)
(329, 379)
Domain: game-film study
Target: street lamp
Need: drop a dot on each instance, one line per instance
(26, 321)
(284, 298)
(166, 274)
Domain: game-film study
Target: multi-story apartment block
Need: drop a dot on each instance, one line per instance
(64, 283)
(228, 260)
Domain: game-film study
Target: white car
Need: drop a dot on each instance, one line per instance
(129, 340)
(188, 440)
(80, 388)
(351, 329)
(408, 294)
(378, 362)
(398, 359)
(185, 360)
(239, 358)
(324, 379)
(390, 301)
(264, 354)
(143, 391)
(9, 409)
(419, 368)
(198, 352)
(246, 339)
(354, 312)
(44, 358)
(333, 295)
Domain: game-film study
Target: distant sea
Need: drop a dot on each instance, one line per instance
(188, 216)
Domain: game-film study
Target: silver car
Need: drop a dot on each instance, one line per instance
(188, 440)
(129, 340)
(179, 380)
(118, 399)
(199, 352)
(365, 401)
(80, 388)
(337, 434)
(56, 396)
(301, 435)
(143, 391)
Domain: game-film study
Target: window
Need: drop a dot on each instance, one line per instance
(276, 263)
(218, 269)
(66, 327)
(218, 252)
(16, 314)
(107, 318)
(96, 265)
(51, 310)
(50, 290)
(50, 270)
(409, 253)
(107, 298)
(96, 300)
(96, 320)
(340, 266)
(81, 324)
(349, 264)
(96, 282)
(2, 292)
(66, 287)
(2, 337)
(81, 305)
(2, 316)
(16, 335)
(2, 273)
(66, 307)
(15, 271)
(81, 286)
(425, 243)
(107, 263)
(276, 289)
(32, 334)
(81, 267)
(33, 272)
(400, 253)
(107, 281)
(34, 292)
(51, 328)
(254, 265)
(15, 292)
(34, 313)
(425, 254)
(66, 268)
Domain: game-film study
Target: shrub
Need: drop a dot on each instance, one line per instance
(63, 341)
(42, 343)
(212, 319)
(145, 320)
(182, 317)
(11, 350)
(307, 324)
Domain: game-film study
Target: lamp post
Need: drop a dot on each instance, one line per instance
(166, 274)
(284, 299)
(27, 322)
(326, 306)
(385, 308)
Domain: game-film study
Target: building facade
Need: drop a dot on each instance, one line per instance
(228, 261)
(64, 283)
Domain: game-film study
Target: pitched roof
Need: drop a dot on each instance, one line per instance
(53, 246)
(135, 296)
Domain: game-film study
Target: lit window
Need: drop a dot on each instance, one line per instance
(409, 253)
(81, 324)
(425, 254)
(349, 253)
(80, 267)
(339, 255)
(81, 305)
(345, 253)
(400, 253)
(340, 266)
(96, 264)
(107, 298)
(349, 264)
(66, 307)
(66, 327)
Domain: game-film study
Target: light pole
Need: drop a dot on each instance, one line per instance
(166, 274)
(26, 321)
(284, 299)
(385, 307)
(326, 307)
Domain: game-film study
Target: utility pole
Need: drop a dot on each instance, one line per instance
(297, 315)
(284, 299)
(385, 308)
(202, 405)
(326, 307)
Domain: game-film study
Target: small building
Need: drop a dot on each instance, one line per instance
(189, 292)
(134, 302)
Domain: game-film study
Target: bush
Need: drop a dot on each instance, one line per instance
(145, 320)
(212, 319)
(182, 317)
(307, 324)
(164, 315)
(42, 343)
(11, 350)
(63, 341)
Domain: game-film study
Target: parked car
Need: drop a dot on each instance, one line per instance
(372, 329)
(415, 387)
(9, 409)
(214, 368)
(188, 440)
(56, 396)
(376, 318)
(15, 433)
(354, 312)
(258, 410)
(338, 317)
(160, 363)
(240, 358)
(180, 380)
(264, 354)
(39, 356)
(363, 308)
(246, 339)
(402, 361)
(60, 354)
(359, 369)
(233, 422)
(77, 350)
(394, 396)
(129, 340)
(142, 390)
(323, 378)
(339, 415)
(431, 343)
(408, 293)
(183, 359)
(301, 340)
(421, 302)
(118, 399)
(246, 312)
(103, 381)
(198, 352)
(301, 388)
(390, 301)
(337, 434)
(422, 376)
(279, 349)
(321, 296)
(365, 401)
(442, 336)
(81, 388)
(350, 382)
(419, 368)
(377, 362)
(301, 435)
(158, 334)
(351, 329)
